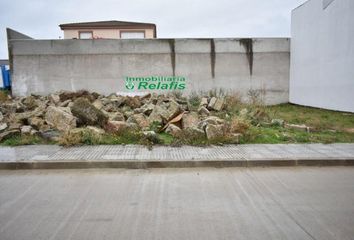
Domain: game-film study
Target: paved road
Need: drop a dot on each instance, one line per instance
(231, 203)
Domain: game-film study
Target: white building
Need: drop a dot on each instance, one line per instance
(322, 55)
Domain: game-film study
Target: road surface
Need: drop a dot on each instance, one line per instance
(231, 203)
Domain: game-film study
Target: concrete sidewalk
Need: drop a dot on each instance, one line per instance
(135, 156)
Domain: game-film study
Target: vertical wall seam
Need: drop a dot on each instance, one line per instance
(247, 43)
(212, 57)
(172, 55)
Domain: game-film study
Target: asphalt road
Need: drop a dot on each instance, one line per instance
(233, 203)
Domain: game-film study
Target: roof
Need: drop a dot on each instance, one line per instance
(106, 24)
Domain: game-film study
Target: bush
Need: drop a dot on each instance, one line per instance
(239, 125)
(70, 139)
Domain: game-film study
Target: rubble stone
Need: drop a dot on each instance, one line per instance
(204, 102)
(203, 111)
(60, 119)
(3, 126)
(216, 104)
(173, 130)
(26, 129)
(88, 114)
(139, 119)
(118, 126)
(190, 120)
(214, 131)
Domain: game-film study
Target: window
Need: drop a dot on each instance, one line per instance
(132, 34)
(85, 35)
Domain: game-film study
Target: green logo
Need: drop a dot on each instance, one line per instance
(129, 85)
(155, 83)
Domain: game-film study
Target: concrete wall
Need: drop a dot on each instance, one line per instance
(45, 66)
(105, 33)
(322, 55)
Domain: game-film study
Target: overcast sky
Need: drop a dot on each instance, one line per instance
(174, 18)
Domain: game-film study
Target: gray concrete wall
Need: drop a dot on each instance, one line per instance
(322, 55)
(44, 66)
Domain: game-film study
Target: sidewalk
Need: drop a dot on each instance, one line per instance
(134, 156)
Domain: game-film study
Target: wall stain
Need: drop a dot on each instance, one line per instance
(247, 43)
(212, 57)
(171, 42)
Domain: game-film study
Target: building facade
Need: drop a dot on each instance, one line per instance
(108, 30)
(322, 55)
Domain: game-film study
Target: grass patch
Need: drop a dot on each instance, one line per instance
(275, 135)
(314, 117)
(18, 140)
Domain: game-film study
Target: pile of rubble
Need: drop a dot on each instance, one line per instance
(53, 115)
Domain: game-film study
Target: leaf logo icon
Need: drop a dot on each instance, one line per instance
(129, 85)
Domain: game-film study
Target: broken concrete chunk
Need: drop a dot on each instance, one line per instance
(54, 98)
(173, 130)
(214, 131)
(60, 119)
(216, 104)
(203, 111)
(3, 126)
(119, 126)
(299, 127)
(190, 120)
(204, 102)
(26, 129)
(139, 119)
(88, 114)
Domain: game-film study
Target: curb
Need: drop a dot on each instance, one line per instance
(141, 164)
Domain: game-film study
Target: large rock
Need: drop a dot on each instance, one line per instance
(139, 119)
(173, 109)
(36, 122)
(38, 112)
(146, 109)
(203, 111)
(204, 102)
(214, 131)
(54, 98)
(133, 102)
(190, 120)
(30, 102)
(173, 130)
(60, 119)
(88, 114)
(115, 116)
(156, 114)
(98, 104)
(95, 130)
(210, 120)
(216, 104)
(78, 94)
(3, 126)
(119, 126)
(165, 111)
(214, 120)
(26, 129)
